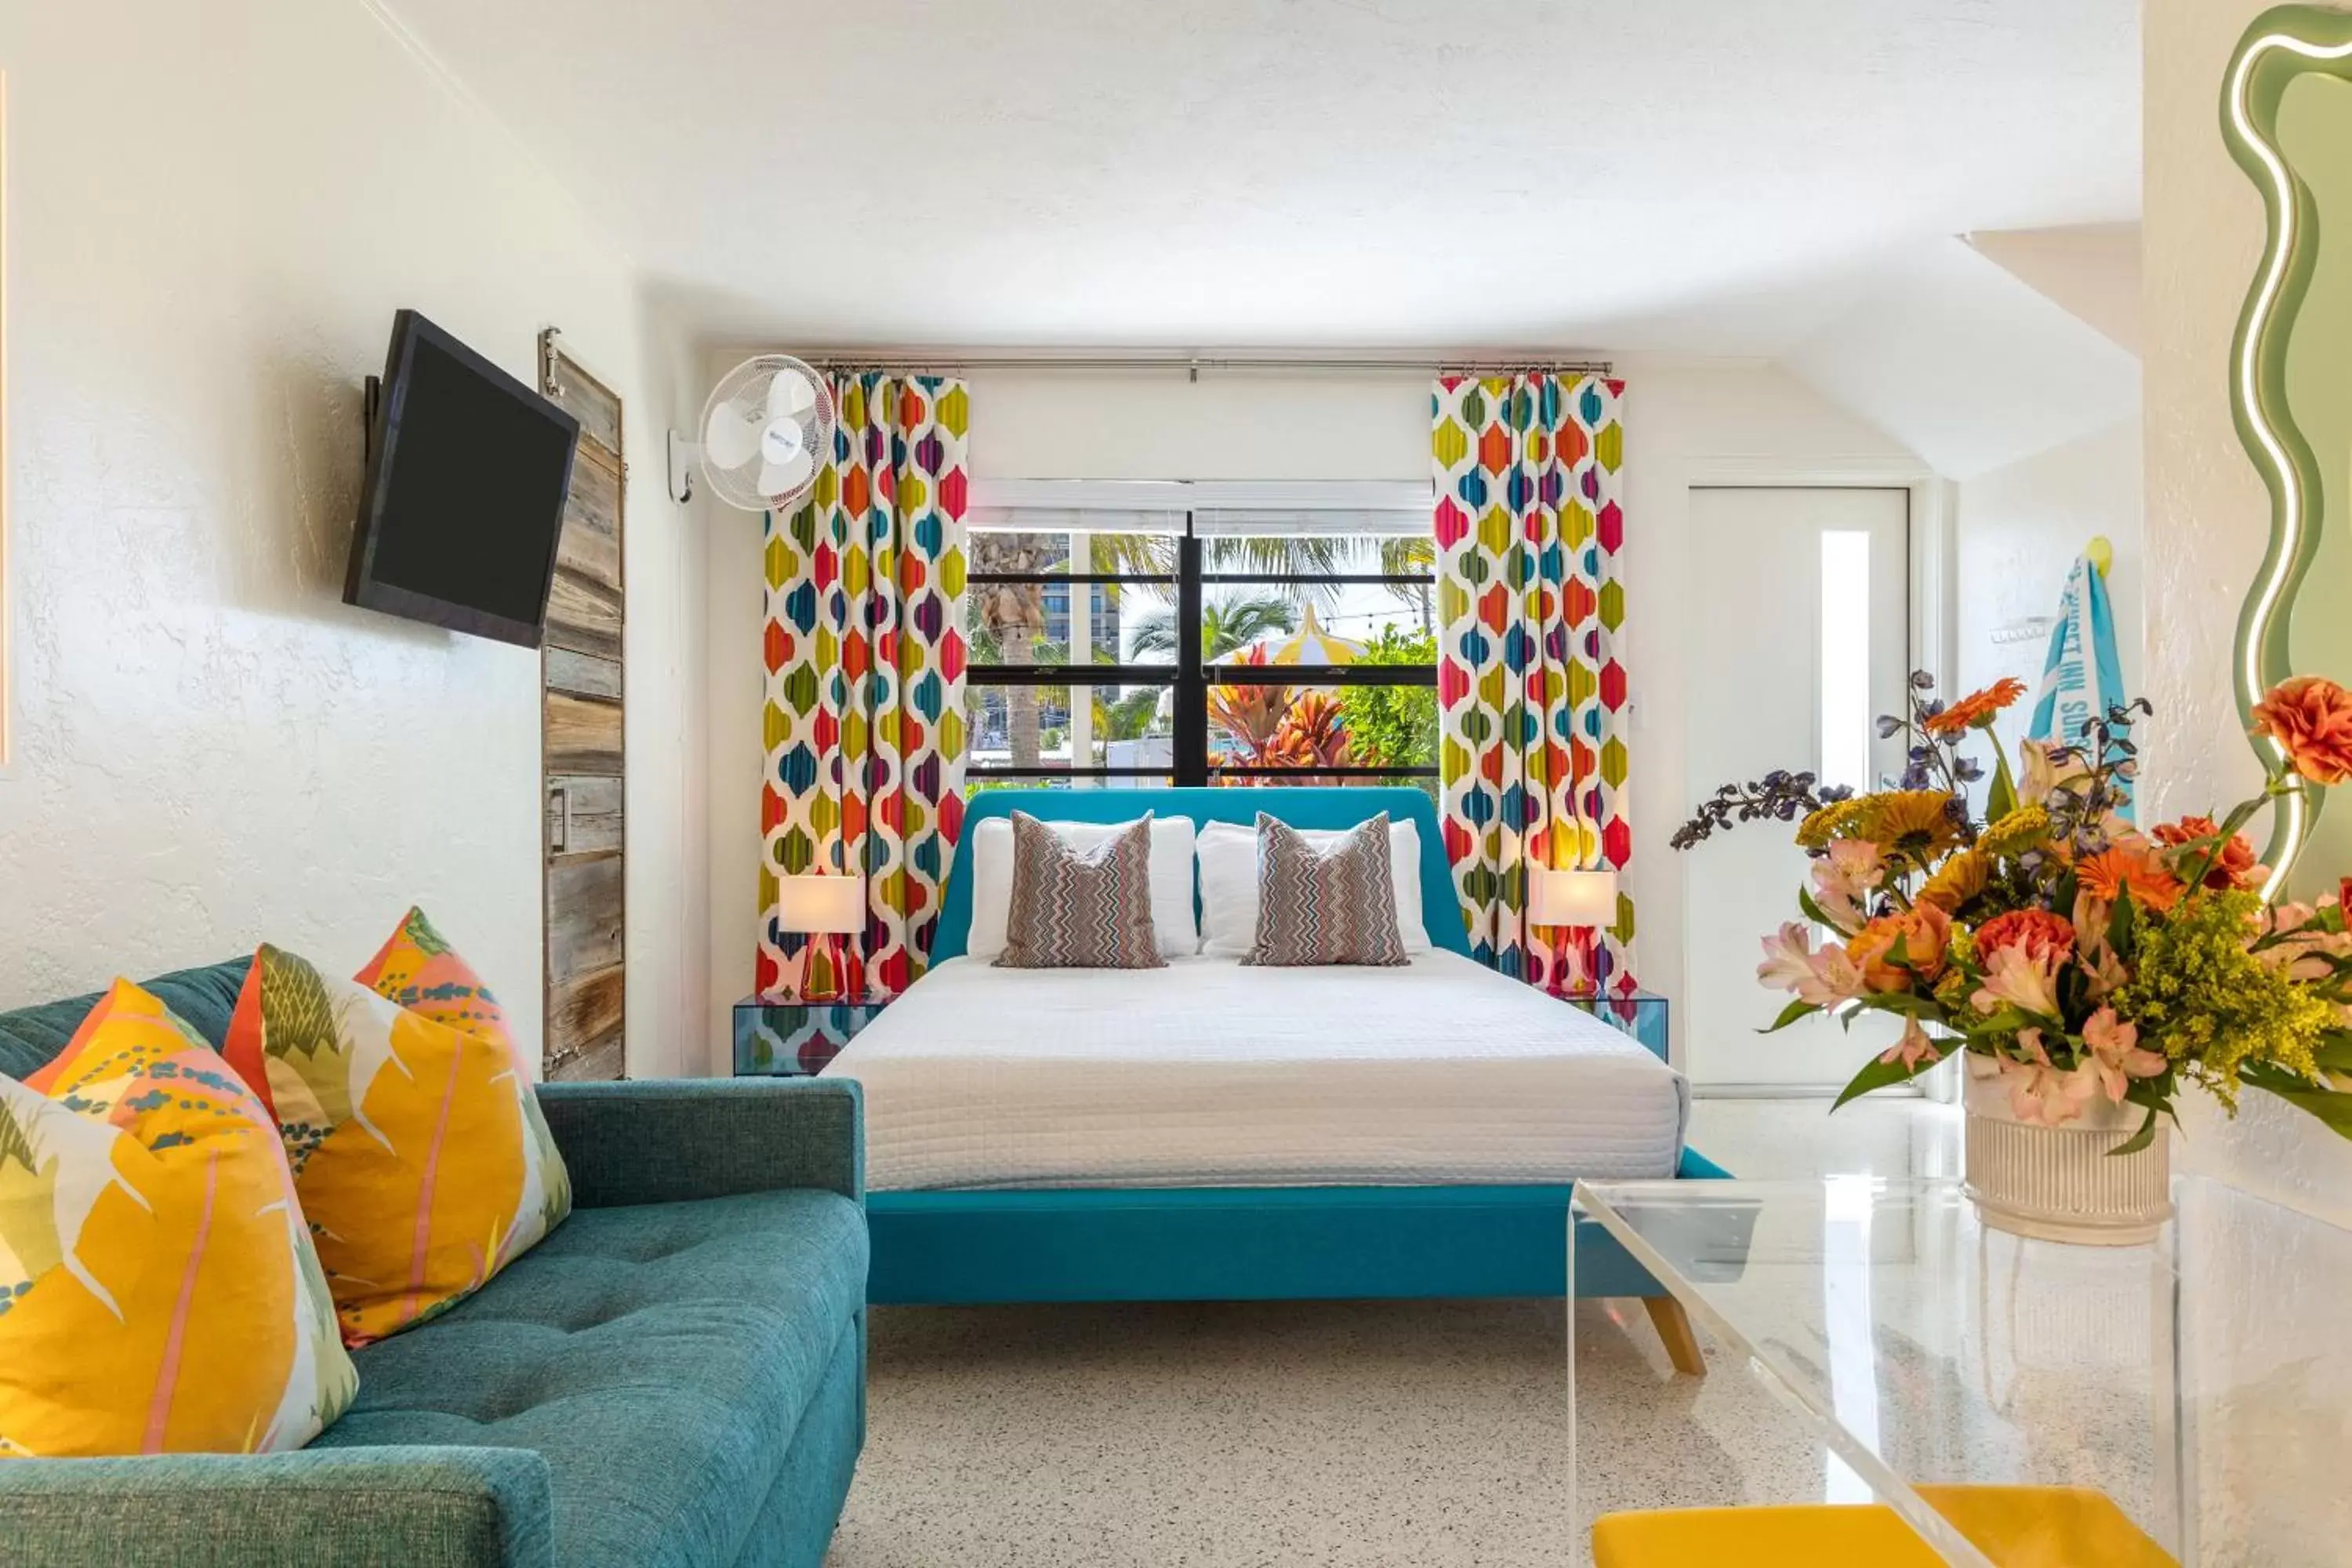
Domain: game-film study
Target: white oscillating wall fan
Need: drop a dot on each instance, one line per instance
(765, 431)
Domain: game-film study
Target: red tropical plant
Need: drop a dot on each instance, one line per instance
(1250, 716)
(1313, 734)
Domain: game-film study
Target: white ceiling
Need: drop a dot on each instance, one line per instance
(1708, 176)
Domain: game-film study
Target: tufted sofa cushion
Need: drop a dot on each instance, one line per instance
(203, 999)
(660, 1357)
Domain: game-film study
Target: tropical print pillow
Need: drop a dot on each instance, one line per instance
(419, 970)
(415, 1157)
(158, 1289)
(1332, 904)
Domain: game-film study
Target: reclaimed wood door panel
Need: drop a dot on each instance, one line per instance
(590, 545)
(583, 674)
(583, 817)
(600, 1061)
(584, 750)
(585, 735)
(583, 617)
(582, 396)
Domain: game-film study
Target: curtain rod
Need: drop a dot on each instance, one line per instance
(1195, 364)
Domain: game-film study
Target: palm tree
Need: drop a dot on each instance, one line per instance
(1413, 556)
(1013, 615)
(1302, 555)
(1228, 624)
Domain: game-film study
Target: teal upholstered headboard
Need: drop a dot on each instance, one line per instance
(1441, 906)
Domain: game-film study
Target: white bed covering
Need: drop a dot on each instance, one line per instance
(1210, 1073)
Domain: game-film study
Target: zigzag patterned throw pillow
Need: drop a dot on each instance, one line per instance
(1337, 905)
(1073, 909)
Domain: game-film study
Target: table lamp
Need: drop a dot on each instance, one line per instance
(1572, 899)
(824, 909)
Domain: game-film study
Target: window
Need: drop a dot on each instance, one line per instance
(1845, 717)
(1201, 634)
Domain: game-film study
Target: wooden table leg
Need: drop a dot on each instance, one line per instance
(1674, 1326)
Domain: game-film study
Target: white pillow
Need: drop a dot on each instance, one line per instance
(1171, 880)
(1229, 885)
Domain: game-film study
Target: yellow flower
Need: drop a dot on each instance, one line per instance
(2027, 827)
(1834, 820)
(1920, 822)
(1957, 880)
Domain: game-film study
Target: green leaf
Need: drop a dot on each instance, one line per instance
(2139, 1140)
(1905, 1004)
(2326, 1104)
(2122, 921)
(1877, 1074)
(2001, 799)
(2334, 1050)
(1789, 1015)
(1813, 912)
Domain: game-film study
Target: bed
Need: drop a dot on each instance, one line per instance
(1211, 1131)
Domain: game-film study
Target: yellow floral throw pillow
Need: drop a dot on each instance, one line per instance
(158, 1289)
(420, 1170)
(418, 969)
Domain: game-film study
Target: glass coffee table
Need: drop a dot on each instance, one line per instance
(2203, 1383)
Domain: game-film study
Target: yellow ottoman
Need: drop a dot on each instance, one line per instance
(2017, 1526)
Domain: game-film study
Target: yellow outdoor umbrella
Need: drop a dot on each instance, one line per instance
(1310, 644)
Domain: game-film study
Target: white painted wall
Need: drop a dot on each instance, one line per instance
(2207, 515)
(1685, 422)
(209, 234)
(1965, 363)
(2091, 270)
(2018, 531)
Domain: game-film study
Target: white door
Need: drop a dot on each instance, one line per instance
(1802, 598)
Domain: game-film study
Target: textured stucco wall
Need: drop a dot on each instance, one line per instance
(214, 212)
(2018, 531)
(2207, 515)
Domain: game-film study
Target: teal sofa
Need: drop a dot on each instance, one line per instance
(675, 1377)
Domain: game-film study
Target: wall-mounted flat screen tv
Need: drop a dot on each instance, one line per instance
(463, 504)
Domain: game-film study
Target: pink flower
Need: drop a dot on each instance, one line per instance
(2017, 976)
(2039, 1092)
(2047, 765)
(1911, 1048)
(1850, 872)
(1826, 979)
(2113, 1054)
(2304, 954)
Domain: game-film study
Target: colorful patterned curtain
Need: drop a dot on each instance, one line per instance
(864, 650)
(1530, 687)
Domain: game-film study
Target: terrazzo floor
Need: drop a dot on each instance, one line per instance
(1346, 1433)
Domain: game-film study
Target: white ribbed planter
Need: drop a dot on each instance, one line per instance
(2061, 1183)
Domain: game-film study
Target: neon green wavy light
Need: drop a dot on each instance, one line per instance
(2281, 44)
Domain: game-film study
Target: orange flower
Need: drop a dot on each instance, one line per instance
(2310, 719)
(2233, 864)
(1976, 710)
(1923, 930)
(2122, 868)
(2038, 933)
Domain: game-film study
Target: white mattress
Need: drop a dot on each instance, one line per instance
(1209, 1073)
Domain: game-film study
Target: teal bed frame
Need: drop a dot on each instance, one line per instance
(1190, 1244)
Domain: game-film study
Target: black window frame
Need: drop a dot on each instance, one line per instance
(1190, 676)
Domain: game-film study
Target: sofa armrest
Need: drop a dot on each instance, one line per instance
(416, 1507)
(658, 1141)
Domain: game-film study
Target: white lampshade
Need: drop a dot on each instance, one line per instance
(819, 904)
(1558, 897)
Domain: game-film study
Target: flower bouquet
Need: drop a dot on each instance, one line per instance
(2089, 970)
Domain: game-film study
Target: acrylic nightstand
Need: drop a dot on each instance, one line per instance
(1642, 1015)
(795, 1039)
